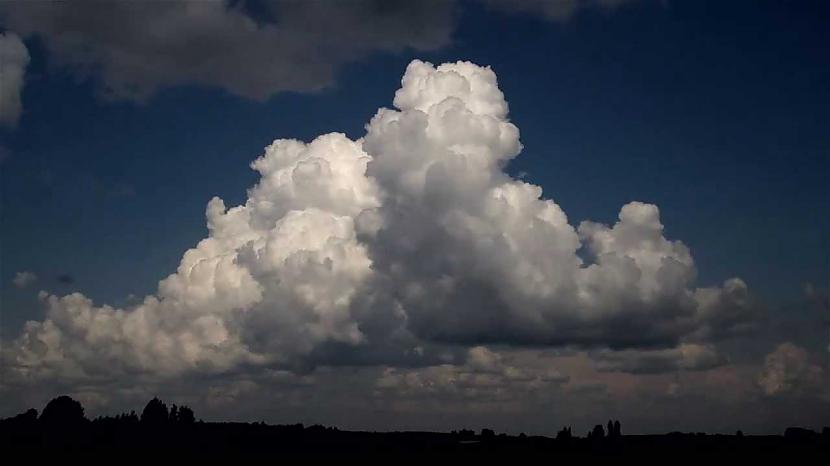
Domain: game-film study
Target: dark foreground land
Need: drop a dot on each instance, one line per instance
(61, 430)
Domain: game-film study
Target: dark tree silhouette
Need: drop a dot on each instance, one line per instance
(155, 413)
(28, 417)
(62, 411)
(186, 416)
(62, 429)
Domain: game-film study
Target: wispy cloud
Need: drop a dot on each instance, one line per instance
(14, 58)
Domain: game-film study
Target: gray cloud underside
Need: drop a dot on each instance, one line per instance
(136, 48)
(251, 48)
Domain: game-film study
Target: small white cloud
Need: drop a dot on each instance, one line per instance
(788, 370)
(24, 279)
(14, 58)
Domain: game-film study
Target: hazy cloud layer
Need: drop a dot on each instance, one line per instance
(687, 357)
(250, 48)
(555, 10)
(399, 249)
(485, 377)
(14, 58)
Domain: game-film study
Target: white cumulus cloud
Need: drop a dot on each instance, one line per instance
(404, 247)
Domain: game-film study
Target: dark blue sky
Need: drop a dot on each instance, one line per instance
(715, 111)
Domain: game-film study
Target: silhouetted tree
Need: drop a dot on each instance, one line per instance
(598, 432)
(62, 411)
(186, 415)
(121, 435)
(155, 413)
(799, 433)
(27, 417)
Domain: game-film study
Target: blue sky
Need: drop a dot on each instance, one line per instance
(714, 111)
(717, 112)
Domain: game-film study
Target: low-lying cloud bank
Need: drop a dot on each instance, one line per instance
(406, 247)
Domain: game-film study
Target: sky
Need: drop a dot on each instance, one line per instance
(419, 215)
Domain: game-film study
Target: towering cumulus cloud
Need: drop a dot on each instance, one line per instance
(410, 239)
